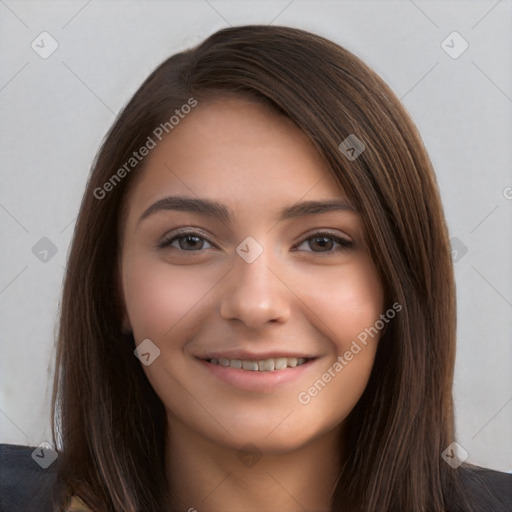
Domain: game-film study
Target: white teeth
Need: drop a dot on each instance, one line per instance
(266, 365)
(250, 365)
(280, 363)
(263, 365)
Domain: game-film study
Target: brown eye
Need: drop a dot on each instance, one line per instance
(186, 241)
(324, 243)
(327, 243)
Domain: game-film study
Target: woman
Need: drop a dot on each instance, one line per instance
(259, 309)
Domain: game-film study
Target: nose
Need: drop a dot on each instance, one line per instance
(254, 294)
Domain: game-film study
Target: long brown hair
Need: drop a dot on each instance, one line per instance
(109, 424)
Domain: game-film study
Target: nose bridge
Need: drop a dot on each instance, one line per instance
(256, 274)
(254, 294)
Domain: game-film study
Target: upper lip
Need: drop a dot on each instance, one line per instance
(242, 354)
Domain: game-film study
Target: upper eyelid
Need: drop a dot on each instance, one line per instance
(181, 232)
(327, 231)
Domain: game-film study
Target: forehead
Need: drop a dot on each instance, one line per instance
(236, 149)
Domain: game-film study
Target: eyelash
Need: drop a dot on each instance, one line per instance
(343, 243)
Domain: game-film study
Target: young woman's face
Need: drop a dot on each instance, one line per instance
(225, 257)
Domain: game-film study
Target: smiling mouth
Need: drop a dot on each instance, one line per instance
(261, 365)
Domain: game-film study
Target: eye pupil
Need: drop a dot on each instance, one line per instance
(195, 241)
(323, 242)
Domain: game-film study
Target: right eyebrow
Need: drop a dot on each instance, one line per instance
(204, 207)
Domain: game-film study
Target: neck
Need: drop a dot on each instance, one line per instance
(207, 477)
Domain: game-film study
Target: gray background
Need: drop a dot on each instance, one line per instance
(54, 113)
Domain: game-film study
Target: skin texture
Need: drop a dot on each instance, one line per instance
(297, 296)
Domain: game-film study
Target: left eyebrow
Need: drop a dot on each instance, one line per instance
(221, 212)
(315, 207)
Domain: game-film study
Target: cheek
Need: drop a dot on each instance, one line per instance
(347, 302)
(158, 296)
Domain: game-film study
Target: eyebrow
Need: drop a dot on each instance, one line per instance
(221, 212)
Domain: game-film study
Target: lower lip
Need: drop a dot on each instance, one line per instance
(250, 380)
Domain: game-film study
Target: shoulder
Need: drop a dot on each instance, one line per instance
(487, 489)
(26, 478)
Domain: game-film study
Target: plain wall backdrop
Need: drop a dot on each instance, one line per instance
(55, 109)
